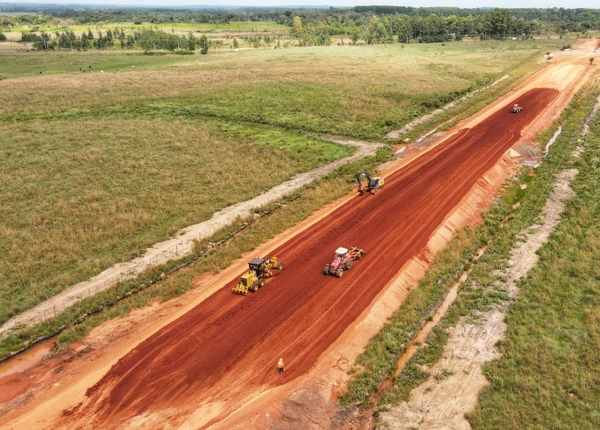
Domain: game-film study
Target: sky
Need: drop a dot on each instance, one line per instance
(508, 4)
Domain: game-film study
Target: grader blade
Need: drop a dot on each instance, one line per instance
(240, 289)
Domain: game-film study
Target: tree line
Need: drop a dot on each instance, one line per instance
(371, 24)
(550, 19)
(146, 39)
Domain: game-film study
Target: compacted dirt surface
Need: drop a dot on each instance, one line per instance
(214, 364)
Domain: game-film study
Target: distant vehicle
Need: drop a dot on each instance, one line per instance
(595, 50)
(516, 108)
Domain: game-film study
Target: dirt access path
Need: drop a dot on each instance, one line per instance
(208, 359)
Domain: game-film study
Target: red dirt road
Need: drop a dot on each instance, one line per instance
(228, 345)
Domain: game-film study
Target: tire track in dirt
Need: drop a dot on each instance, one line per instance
(226, 347)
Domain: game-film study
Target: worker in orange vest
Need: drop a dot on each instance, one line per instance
(280, 365)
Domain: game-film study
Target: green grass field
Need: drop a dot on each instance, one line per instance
(77, 196)
(362, 91)
(64, 62)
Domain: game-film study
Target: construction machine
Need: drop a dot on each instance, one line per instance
(259, 269)
(516, 108)
(342, 260)
(367, 184)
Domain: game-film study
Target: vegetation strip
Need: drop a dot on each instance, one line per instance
(482, 297)
(548, 370)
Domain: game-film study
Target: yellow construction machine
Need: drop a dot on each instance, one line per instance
(367, 184)
(259, 269)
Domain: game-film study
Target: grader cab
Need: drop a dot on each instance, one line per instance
(258, 270)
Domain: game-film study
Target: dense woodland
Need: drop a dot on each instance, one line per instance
(307, 27)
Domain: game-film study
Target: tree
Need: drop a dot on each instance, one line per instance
(498, 23)
(402, 28)
(7, 22)
(236, 44)
(204, 44)
(354, 33)
(297, 25)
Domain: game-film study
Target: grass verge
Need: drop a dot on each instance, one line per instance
(547, 376)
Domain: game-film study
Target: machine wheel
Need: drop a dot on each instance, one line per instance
(261, 283)
(279, 266)
(253, 288)
(326, 270)
(348, 265)
(339, 273)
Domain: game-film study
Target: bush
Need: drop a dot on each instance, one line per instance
(435, 39)
(2, 37)
(30, 37)
(155, 53)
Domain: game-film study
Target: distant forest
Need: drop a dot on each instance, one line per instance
(368, 24)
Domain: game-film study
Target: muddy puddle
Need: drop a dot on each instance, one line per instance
(26, 360)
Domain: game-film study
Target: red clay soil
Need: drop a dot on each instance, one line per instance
(229, 345)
